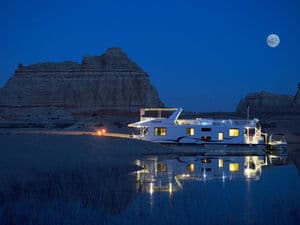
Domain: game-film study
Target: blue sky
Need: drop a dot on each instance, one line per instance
(201, 55)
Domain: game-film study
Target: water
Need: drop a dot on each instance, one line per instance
(220, 190)
(168, 189)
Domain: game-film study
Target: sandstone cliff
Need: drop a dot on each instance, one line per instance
(265, 102)
(107, 82)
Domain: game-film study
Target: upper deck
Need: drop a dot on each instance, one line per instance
(171, 115)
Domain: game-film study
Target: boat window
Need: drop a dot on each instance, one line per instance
(205, 138)
(190, 131)
(160, 131)
(208, 169)
(206, 129)
(161, 167)
(234, 132)
(234, 167)
(221, 136)
(250, 131)
(146, 131)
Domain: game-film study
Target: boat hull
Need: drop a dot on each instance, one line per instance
(218, 149)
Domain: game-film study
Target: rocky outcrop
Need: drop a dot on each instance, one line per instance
(296, 100)
(107, 82)
(265, 102)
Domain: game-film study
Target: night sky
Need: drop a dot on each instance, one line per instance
(201, 55)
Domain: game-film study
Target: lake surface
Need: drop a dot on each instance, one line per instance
(167, 189)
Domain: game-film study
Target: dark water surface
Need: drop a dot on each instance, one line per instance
(170, 189)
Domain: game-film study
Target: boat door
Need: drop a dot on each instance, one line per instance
(144, 131)
(249, 135)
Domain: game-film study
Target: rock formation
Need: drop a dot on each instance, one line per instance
(296, 100)
(107, 82)
(265, 102)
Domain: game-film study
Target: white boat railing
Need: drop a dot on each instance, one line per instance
(215, 122)
(197, 121)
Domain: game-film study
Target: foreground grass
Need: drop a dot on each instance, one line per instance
(44, 179)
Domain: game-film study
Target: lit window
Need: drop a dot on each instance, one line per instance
(190, 131)
(221, 136)
(234, 132)
(221, 163)
(160, 131)
(234, 167)
(206, 129)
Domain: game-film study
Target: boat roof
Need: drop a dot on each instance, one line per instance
(173, 119)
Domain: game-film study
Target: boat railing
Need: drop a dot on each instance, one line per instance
(155, 113)
(199, 121)
(236, 122)
(144, 118)
(187, 122)
(159, 113)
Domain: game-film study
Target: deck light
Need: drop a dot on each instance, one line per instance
(191, 167)
(151, 189)
(223, 177)
(170, 188)
(205, 160)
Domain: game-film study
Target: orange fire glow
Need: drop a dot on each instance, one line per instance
(101, 132)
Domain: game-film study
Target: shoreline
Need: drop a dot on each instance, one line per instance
(114, 147)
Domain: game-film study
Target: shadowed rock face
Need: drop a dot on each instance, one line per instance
(265, 102)
(110, 81)
(296, 100)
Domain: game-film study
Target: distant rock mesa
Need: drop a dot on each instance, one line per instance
(107, 82)
(270, 103)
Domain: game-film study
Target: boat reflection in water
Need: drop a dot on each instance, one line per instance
(170, 173)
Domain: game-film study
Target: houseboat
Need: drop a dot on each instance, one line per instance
(155, 127)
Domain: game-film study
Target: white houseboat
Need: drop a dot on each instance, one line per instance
(171, 129)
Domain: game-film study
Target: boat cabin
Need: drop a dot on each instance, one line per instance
(166, 127)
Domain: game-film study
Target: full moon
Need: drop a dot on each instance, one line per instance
(273, 40)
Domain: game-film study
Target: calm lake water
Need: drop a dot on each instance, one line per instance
(170, 189)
